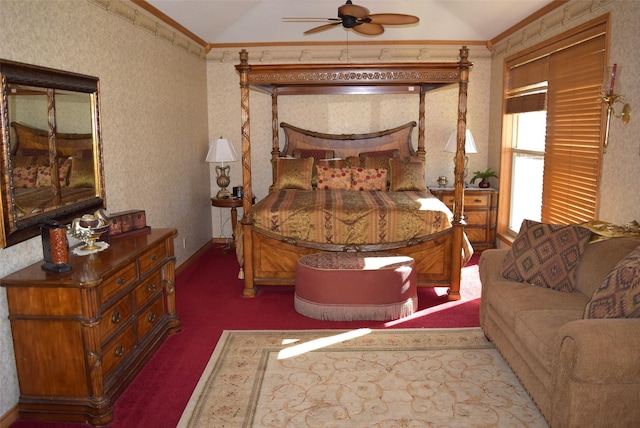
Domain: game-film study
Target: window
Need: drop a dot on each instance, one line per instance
(551, 157)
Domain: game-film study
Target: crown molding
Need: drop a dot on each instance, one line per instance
(171, 32)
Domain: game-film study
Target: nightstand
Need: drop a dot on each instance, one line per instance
(480, 213)
(232, 203)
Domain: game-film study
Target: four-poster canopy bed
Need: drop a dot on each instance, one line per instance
(268, 254)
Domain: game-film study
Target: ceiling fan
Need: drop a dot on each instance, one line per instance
(359, 20)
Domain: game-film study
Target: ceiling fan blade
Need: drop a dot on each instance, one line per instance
(303, 19)
(393, 19)
(353, 10)
(322, 28)
(369, 29)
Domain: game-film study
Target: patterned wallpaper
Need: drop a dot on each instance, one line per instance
(154, 121)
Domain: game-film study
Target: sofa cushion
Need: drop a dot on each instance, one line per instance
(508, 298)
(546, 255)
(619, 294)
(598, 260)
(537, 330)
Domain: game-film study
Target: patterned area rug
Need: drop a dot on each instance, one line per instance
(358, 378)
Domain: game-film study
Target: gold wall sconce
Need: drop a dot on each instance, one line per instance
(610, 97)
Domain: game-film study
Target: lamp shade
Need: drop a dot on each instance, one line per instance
(221, 151)
(469, 144)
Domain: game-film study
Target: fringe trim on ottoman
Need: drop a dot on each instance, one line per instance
(352, 312)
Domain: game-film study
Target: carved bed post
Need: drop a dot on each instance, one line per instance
(421, 152)
(247, 194)
(458, 192)
(275, 137)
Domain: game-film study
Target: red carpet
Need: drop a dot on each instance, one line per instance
(209, 300)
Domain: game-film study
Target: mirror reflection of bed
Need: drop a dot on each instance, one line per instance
(43, 182)
(344, 218)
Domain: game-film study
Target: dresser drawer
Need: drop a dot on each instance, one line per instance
(147, 318)
(122, 279)
(476, 235)
(117, 350)
(147, 289)
(476, 200)
(115, 317)
(151, 258)
(476, 218)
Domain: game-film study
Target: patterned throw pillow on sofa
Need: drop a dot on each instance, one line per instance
(619, 294)
(546, 255)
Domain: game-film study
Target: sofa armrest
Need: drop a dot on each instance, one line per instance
(599, 350)
(490, 264)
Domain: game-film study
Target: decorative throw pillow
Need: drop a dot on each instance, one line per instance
(619, 294)
(379, 159)
(334, 178)
(43, 178)
(314, 153)
(546, 255)
(82, 173)
(406, 174)
(24, 176)
(368, 179)
(294, 173)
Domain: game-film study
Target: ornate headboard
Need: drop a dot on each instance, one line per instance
(345, 145)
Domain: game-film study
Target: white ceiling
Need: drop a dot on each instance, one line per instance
(251, 21)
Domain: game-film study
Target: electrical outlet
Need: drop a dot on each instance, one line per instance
(184, 242)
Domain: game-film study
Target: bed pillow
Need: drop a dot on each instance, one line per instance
(294, 173)
(334, 178)
(43, 178)
(546, 255)
(379, 159)
(406, 174)
(313, 153)
(82, 173)
(24, 176)
(619, 294)
(368, 179)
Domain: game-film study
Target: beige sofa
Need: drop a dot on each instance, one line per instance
(580, 372)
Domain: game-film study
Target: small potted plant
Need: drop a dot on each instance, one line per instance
(483, 176)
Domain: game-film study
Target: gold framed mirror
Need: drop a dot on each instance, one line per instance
(51, 153)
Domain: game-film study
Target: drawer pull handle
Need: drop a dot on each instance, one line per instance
(477, 201)
(154, 257)
(116, 317)
(119, 351)
(151, 287)
(121, 281)
(151, 317)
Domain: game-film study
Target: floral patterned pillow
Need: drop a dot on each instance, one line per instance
(24, 176)
(333, 178)
(368, 179)
(43, 178)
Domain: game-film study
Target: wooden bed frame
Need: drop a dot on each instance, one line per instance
(271, 259)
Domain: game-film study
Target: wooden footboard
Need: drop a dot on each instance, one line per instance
(271, 260)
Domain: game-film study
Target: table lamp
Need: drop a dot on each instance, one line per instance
(469, 147)
(221, 151)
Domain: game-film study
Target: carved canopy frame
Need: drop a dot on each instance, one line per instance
(336, 79)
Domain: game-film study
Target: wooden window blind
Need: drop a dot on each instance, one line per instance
(564, 77)
(573, 147)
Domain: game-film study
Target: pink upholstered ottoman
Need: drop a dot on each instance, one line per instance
(356, 286)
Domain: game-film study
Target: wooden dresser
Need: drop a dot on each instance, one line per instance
(480, 212)
(81, 337)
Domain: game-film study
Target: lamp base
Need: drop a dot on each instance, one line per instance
(223, 194)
